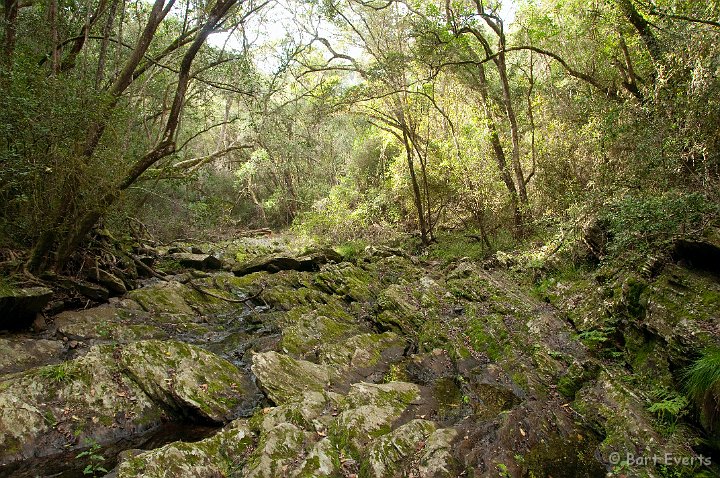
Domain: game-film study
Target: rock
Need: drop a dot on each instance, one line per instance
(92, 291)
(311, 330)
(284, 378)
(276, 451)
(164, 297)
(121, 322)
(18, 307)
(197, 261)
(18, 354)
(114, 393)
(391, 454)
(209, 458)
(321, 461)
(437, 460)
(397, 310)
(178, 250)
(371, 409)
(113, 284)
(189, 381)
(364, 354)
(283, 262)
(196, 250)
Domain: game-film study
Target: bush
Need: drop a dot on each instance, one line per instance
(702, 383)
(645, 223)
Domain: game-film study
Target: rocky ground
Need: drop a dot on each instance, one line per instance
(305, 363)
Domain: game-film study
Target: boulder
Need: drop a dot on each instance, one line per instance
(114, 393)
(205, 262)
(18, 354)
(208, 458)
(282, 262)
(111, 282)
(18, 307)
(189, 381)
(284, 378)
(87, 289)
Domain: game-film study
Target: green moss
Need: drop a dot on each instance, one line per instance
(488, 334)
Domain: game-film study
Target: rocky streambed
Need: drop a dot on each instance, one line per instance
(317, 364)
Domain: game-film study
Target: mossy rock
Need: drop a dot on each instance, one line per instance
(310, 331)
(48, 410)
(364, 351)
(189, 380)
(284, 378)
(392, 454)
(220, 455)
(277, 451)
(398, 311)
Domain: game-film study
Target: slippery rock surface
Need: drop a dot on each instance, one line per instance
(113, 392)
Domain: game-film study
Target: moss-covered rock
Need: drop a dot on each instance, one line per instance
(392, 454)
(112, 393)
(284, 378)
(220, 455)
(188, 380)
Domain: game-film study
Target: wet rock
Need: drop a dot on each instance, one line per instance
(205, 262)
(18, 307)
(284, 378)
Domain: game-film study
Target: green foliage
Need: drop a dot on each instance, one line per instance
(60, 373)
(702, 382)
(669, 408)
(644, 224)
(352, 250)
(94, 467)
(451, 247)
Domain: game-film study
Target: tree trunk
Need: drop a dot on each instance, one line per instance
(643, 28)
(11, 14)
(416, 188)
(498, 149)
(167, 145)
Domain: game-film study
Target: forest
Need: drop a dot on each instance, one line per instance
(402, 237)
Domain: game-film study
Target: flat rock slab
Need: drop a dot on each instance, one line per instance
(18, 307)
(18, 354)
